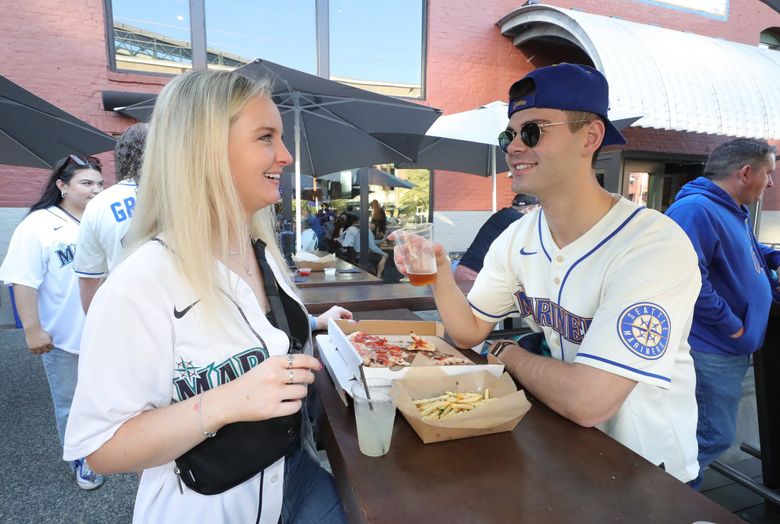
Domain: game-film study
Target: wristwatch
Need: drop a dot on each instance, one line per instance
(500, 346)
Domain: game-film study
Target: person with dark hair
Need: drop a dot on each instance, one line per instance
(609, 285)
(106, 219)
(471, 262)
(378, 218)
(730, 317)
(39, 265)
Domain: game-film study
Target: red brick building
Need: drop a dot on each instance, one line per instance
(63, 52)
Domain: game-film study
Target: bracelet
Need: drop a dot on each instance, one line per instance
(207, 434)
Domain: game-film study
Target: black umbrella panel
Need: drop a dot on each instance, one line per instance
(35, 133)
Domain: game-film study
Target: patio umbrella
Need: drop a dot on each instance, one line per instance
(336, 126)
(376, 177)
(34, 133)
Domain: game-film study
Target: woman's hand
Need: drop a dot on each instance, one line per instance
(274, 388)
(336, 313)
(38, 340)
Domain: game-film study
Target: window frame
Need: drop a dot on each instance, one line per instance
(197, 14)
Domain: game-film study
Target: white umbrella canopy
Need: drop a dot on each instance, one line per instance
(481, 125)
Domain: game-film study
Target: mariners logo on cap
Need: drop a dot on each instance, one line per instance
(644, 329)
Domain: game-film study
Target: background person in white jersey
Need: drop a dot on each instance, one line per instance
(184, 352)
(108, 216)
(39, 265)
(610, 284)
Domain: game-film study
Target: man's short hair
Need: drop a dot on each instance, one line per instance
(729, 157)
(129, 152)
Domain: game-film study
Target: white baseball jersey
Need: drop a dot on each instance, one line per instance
(103, 227)
(147, 344)
(619, 298)
(40, 256)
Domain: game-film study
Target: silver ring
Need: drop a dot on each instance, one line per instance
(289, 360)
(291, 377)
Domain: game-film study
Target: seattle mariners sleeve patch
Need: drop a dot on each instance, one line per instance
(644, 329)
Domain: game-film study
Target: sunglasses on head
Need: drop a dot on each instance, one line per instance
(89, 162)
(530, 133)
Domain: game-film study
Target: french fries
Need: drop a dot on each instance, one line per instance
(450, 404)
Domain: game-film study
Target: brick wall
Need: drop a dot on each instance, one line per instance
(59, 53)
(469, 64)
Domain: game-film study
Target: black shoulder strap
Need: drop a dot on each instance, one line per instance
(271, 289)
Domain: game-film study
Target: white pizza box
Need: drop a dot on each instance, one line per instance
(397, 331)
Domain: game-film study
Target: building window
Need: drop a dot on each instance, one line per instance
(237, 32)
(150, 36)
(376, 45)
(770, 40)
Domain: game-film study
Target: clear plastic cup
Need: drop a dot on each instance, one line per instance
(415, 243)
(374, 417)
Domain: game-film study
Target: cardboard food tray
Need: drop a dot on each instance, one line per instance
(324, 259)
(500, 415)
(398, 331)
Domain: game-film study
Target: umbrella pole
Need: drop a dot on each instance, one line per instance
(493, 169)
(298, 227)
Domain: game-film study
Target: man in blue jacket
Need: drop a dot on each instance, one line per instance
(730, 316)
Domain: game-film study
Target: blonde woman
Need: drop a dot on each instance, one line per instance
(185, 374)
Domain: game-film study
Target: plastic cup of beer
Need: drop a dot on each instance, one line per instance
(374, 416)
(416, 247)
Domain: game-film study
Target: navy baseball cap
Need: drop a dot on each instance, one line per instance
(569, 87)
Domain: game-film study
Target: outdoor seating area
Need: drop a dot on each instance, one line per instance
(396, 261)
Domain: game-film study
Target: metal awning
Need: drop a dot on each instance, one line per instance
(678, 81)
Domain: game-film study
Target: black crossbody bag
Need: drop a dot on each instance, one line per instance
(240, 450)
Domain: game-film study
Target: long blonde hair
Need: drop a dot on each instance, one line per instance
(187, 194)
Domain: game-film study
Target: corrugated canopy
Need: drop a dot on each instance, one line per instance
(676, 80)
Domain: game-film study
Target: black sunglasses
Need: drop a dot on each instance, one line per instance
(530, 133)
(89, 162)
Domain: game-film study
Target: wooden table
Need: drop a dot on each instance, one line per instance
(346, 275)
(548, 470)
(372, 298)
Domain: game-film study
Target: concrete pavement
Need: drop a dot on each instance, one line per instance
(36, 486)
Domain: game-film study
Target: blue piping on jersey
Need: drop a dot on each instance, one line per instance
(589, 253)
(629, 368)
(90, 274)
(488, 314)
(131, 184)
(541, 242)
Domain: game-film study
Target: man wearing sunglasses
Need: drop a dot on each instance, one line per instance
(611, 285)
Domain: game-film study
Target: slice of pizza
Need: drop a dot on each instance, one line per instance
(445, 359)
(420, 344)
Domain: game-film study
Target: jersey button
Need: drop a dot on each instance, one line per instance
(557, 281)
(559, 258)
(274, 478)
